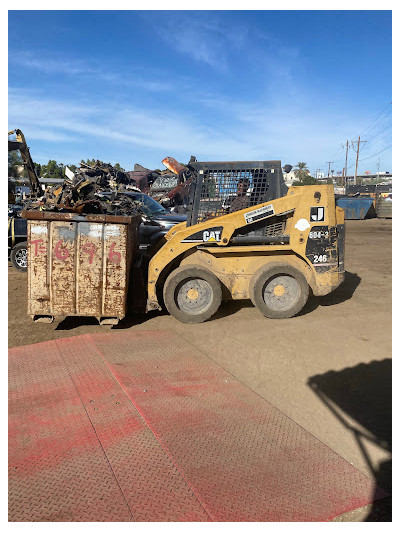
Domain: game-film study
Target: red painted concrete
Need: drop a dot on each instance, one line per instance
(143, 427)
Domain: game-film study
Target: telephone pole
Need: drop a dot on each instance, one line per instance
(329, 168)
(358, 151)
(345, 166)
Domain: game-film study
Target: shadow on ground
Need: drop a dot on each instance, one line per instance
(344, 292)
(72, 322)
(130, 320)
(364, 393)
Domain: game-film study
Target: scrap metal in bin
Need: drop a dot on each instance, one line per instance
(79, 265)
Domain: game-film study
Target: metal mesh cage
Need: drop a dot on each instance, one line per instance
(219, 188)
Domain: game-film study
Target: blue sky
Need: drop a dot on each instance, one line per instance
(136, 86)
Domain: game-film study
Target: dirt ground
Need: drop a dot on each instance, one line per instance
(328, 369)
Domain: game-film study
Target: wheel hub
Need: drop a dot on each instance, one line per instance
(192, 294)
(281, 292)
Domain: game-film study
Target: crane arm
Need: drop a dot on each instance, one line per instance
(20, 144)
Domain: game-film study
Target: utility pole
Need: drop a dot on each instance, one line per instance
(317, 172)
(358, 151)
(329, 168)
(345, 167)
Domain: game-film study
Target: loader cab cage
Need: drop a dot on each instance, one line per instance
(219, 188)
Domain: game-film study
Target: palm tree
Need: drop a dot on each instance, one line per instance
(301, 171)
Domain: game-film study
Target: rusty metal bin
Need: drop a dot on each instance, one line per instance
(79, 265)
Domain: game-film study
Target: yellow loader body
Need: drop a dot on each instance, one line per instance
(312, 243)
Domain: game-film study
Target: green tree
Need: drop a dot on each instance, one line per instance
(52, 170)
(91, 162)
(301, 171)
(308, 180)
(14, 165)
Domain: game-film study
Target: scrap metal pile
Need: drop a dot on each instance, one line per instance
(90, 190)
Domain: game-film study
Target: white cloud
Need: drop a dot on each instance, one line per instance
(243, 131)
(47, 64)
(200, 35)
(80, 69)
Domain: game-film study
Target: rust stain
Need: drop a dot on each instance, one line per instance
(173, 165)
(79, 268)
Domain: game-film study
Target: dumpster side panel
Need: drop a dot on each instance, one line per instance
(79, 267)
(62, 267)
(90, 269)
(38, 275)
(116, 255)
(355, 208)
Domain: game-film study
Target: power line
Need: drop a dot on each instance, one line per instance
(371, 156)
(341, 146)
(375, 119)
(373, 124)
(365, 158)
(380, 132)
(379, 138)
(369, 130)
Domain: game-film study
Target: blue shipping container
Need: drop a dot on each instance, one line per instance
(355, 208)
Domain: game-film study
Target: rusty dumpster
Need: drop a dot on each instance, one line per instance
(79, 265)
(356, 208)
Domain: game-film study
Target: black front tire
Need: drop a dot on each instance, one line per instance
(19, 256)
(192, 294)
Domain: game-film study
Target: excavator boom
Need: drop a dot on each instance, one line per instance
(20, 144)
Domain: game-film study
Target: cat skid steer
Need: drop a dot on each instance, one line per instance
(247, 237)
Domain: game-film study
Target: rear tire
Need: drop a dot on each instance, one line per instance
(279, 291)
(19, 256)
(192, 294)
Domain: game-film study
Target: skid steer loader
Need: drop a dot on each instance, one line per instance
(247, 236)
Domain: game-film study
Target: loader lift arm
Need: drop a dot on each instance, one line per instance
(20, 144)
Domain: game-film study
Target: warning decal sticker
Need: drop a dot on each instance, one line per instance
(258, 214)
